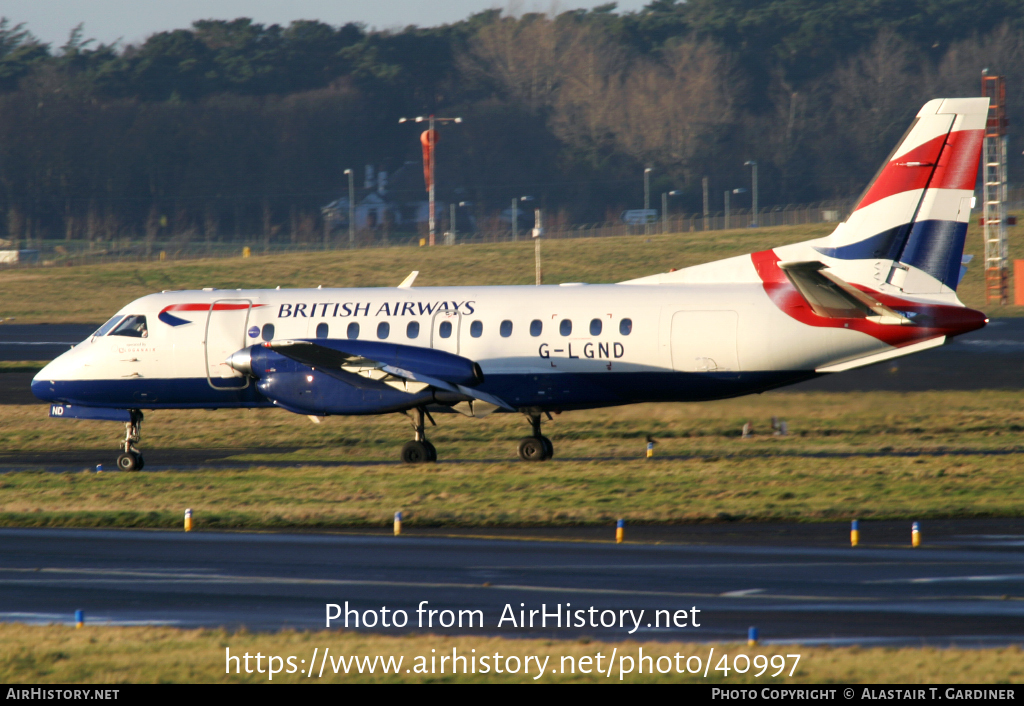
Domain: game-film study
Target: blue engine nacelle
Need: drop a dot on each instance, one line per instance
(307, 389)
(315, 392)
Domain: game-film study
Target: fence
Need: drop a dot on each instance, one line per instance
(823, 212)
(74, 252)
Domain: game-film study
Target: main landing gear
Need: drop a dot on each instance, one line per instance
(131, 458)
(533, 448)
(537, 447)
(419, 450)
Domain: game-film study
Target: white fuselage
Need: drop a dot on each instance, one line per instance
(733, 333)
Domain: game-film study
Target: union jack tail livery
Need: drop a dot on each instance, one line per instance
(906, 234)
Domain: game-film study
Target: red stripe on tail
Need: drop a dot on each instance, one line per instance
(897, 177)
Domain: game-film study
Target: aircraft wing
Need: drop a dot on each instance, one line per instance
(370, 364)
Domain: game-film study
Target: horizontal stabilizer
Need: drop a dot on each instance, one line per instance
(880, 357)
(833, 298)
(964, 262)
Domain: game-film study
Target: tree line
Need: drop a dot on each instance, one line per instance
(231, 129)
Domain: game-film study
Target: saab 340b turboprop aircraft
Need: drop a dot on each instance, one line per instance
(882, 285)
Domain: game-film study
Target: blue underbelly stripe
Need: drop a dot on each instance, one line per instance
(561, 391)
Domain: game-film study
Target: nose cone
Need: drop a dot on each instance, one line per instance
(241, 361)
(42, 386)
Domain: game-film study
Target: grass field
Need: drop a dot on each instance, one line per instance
(41, 295)
(868, 455)
(106, 655)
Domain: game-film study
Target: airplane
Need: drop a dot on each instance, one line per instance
(881, 286)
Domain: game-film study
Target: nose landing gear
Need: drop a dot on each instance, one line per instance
(419, 450)
(537, 447)
(131, 458)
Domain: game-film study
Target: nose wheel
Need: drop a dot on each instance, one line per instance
(537, 447)
(419, 450)
(131, 458)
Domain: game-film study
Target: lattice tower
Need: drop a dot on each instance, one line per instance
(994, 193)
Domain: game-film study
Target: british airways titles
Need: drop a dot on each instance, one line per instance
(345, 309)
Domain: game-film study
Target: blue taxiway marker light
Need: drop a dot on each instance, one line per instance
(620, 530)
(79, 618)
(855, 533)
(398, 523)
(752, 637)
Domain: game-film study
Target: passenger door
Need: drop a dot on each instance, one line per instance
(226, 323)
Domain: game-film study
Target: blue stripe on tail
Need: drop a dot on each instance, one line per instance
(883, 246)
(935, 247)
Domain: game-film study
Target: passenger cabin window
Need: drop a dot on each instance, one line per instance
(132, 326)
(353, 330)
(595, 327)
(102, 330)
(626, 327)
(476, 329)
(268, 332)
(536, 327)
(383, 329)
(413, 329)
(445, 329)
(506, 328)
(321, 330)
(565, 328)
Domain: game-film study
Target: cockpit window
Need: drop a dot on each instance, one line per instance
(133, 326)
(105, 328)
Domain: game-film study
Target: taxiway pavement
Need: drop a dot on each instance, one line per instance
(964, 587)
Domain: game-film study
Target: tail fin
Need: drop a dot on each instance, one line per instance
(908, 229)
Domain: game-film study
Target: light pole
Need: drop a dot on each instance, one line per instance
(753, 178)
(538, 230)
(707, 202)
(734, 191)
(453, 226)
(430, 142)
(351, 209)
(664, 208)
(647, 198)
(515, 215)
